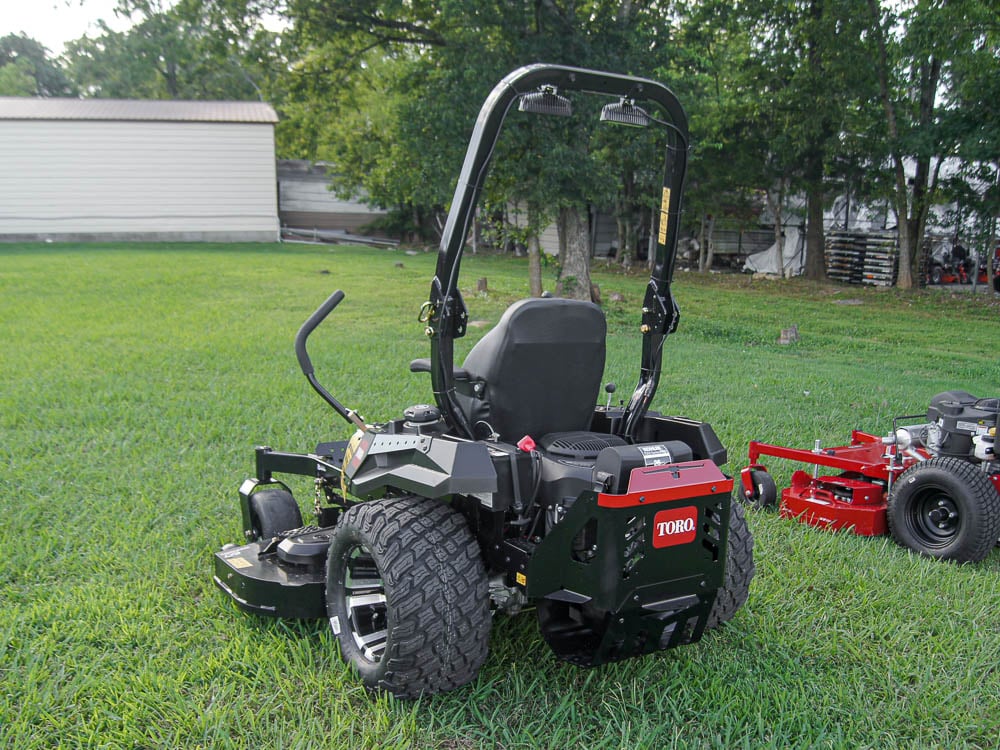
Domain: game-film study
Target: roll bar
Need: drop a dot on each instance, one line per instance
(446, 314)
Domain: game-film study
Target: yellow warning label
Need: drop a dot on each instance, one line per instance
(664, 216)
(239, 562)
(521, 578)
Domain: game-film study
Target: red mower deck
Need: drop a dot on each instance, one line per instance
(854, 500)
(934, 486)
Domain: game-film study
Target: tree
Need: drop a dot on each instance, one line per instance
(443, 56)
(27, 70)
(972, 113)
(800, 75)
(708, 69)
(178, 52)
(16, 80)
(924, 78)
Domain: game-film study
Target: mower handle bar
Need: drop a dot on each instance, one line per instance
(309, 326)
(305, 363)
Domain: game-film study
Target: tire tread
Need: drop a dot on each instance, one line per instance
(437, 589)
(984, 521)
(740, 569)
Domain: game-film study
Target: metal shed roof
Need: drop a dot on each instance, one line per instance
(29, 108)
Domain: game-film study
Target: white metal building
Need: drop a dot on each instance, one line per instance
(306, 202)
(105, 169)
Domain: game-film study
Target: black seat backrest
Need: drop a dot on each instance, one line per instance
(542, 364)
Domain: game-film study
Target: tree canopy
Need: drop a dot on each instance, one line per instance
(27, 70)
(893, 102)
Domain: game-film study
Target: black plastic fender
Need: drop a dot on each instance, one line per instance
(424, 465)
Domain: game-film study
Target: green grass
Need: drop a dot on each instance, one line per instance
(135, 381)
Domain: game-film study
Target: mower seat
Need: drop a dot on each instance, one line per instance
(537, 372)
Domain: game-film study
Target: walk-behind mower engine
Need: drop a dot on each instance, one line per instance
(933, 484)
(958, 425)
(513, 490)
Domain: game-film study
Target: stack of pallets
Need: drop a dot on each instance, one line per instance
(854, 257)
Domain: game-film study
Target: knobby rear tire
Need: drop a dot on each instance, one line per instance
(408, 566)
(740, 569)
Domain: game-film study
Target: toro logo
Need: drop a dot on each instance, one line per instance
(675, 526)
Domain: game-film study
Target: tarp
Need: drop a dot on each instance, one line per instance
(773, 261)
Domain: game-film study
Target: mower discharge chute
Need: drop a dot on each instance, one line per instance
(513, 490)
(934, 485)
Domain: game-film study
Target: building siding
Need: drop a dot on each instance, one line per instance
(85, 179)
(305, 201)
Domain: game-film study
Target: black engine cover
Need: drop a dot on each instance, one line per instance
(961, 416)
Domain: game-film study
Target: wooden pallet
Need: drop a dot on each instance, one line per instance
(862, 257)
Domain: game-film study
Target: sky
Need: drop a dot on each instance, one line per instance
(55, 22)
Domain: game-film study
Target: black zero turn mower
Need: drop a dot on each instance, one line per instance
(614, 523)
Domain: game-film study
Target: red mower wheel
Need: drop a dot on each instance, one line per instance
(945, 508)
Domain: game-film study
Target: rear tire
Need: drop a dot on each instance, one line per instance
(272, 512)
(945, 508)
(407, 596)
(740, 569)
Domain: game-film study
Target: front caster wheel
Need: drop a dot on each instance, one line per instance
(407, 596)
(945, 508)
(271, 512)
(764, 493)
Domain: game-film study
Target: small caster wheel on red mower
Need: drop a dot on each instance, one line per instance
(271, 512)
(945, 508)
(765, 492)
(407, 596)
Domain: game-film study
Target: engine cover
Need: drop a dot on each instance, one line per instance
(960, 416)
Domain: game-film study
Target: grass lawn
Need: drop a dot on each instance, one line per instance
(136, 381)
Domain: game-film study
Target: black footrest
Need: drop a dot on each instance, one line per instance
(306, 546)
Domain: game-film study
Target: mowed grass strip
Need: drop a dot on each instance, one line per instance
(136, 381)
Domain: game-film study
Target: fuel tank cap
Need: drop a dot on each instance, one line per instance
(422, 414)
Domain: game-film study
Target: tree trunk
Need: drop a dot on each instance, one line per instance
(815, 260)
(627, 239)
(475, 232)
(709, 248)
(625, 216)
(562, 231)
(774, 203)
(701, 241)
(534, 256)
(574, 275)
(620, 251)
(991, 238)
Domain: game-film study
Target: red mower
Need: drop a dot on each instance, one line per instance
(934, 486)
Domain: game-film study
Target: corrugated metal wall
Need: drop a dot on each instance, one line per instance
(137, 180)
(305, 200)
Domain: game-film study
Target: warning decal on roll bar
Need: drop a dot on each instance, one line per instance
(664, 216)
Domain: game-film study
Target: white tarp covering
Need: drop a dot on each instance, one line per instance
(773, 261)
